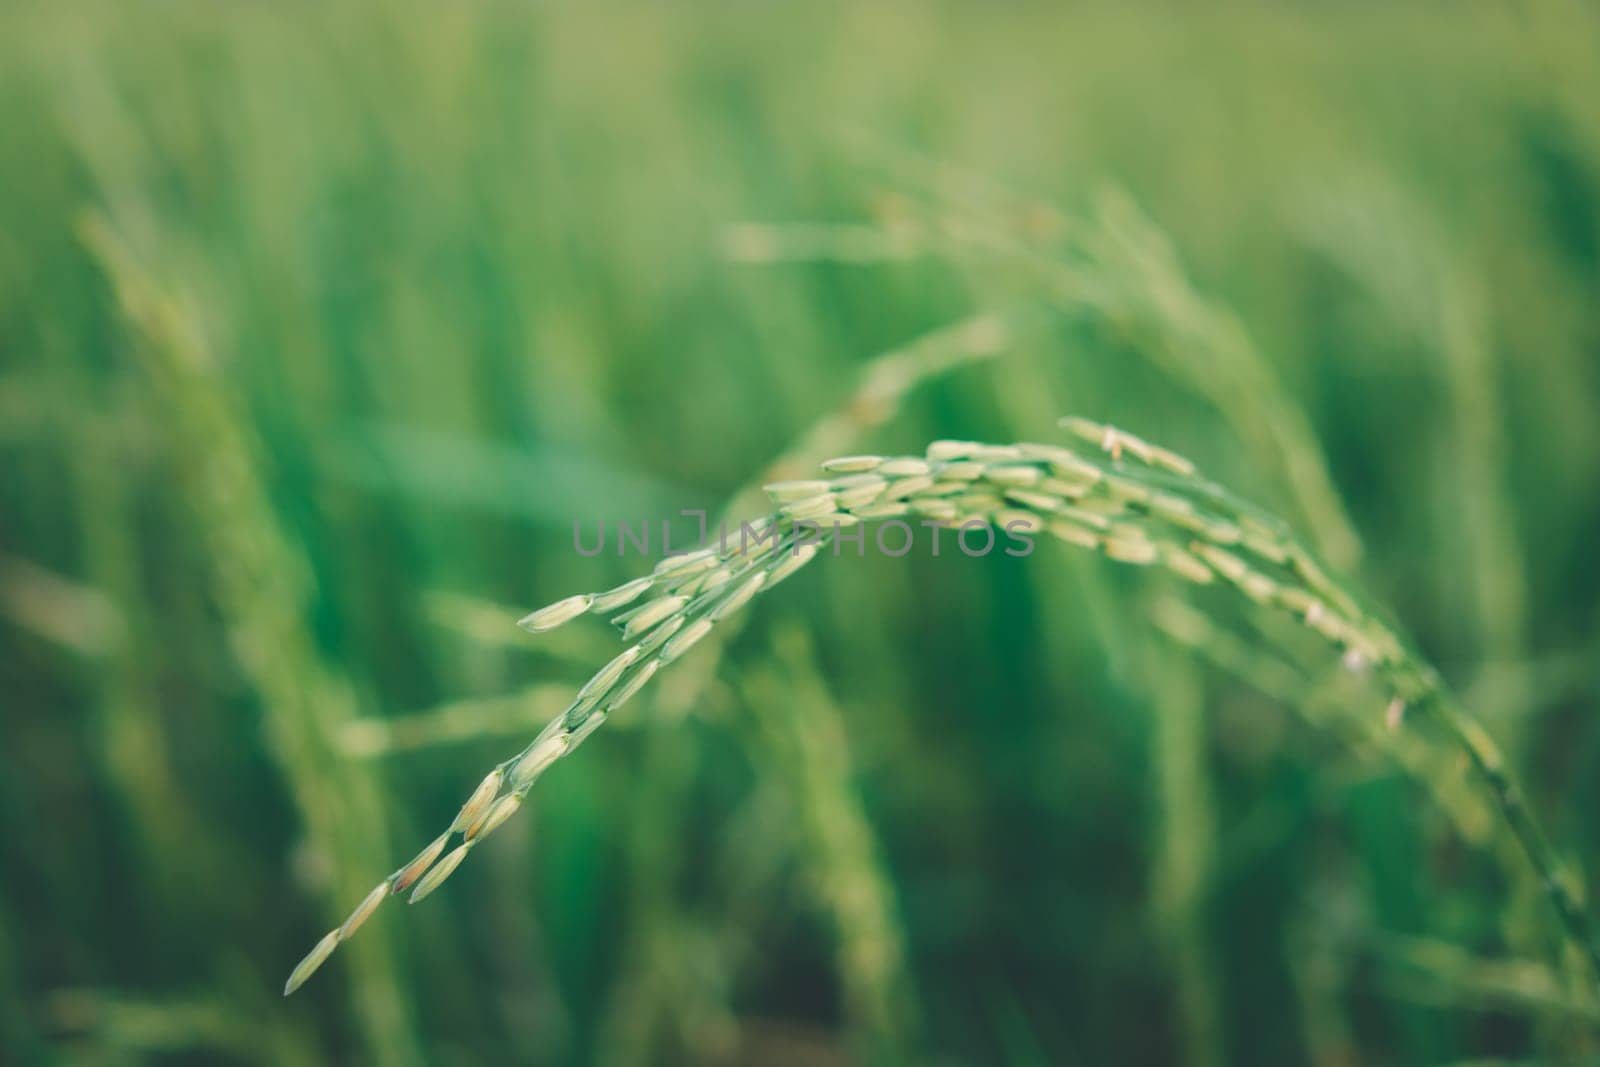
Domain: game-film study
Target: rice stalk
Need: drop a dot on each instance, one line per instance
(806, 747)
(513, 713)
(136, 759)
(262, 587)
(1185, 865)
(1138, 509)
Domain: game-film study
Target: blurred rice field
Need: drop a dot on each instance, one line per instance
(321, 325)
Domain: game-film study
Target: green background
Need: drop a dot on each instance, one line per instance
(320, 325)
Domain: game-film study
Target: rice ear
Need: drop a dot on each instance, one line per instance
(1143, 506)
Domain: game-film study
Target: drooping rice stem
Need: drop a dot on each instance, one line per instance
(1108, 491)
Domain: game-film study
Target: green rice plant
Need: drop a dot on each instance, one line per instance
(806, 748)
(262, 586)
(1106, 490)
(1187, 860)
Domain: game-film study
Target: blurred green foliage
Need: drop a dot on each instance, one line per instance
(321, 324)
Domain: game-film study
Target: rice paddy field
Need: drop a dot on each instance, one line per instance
(332, 335)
